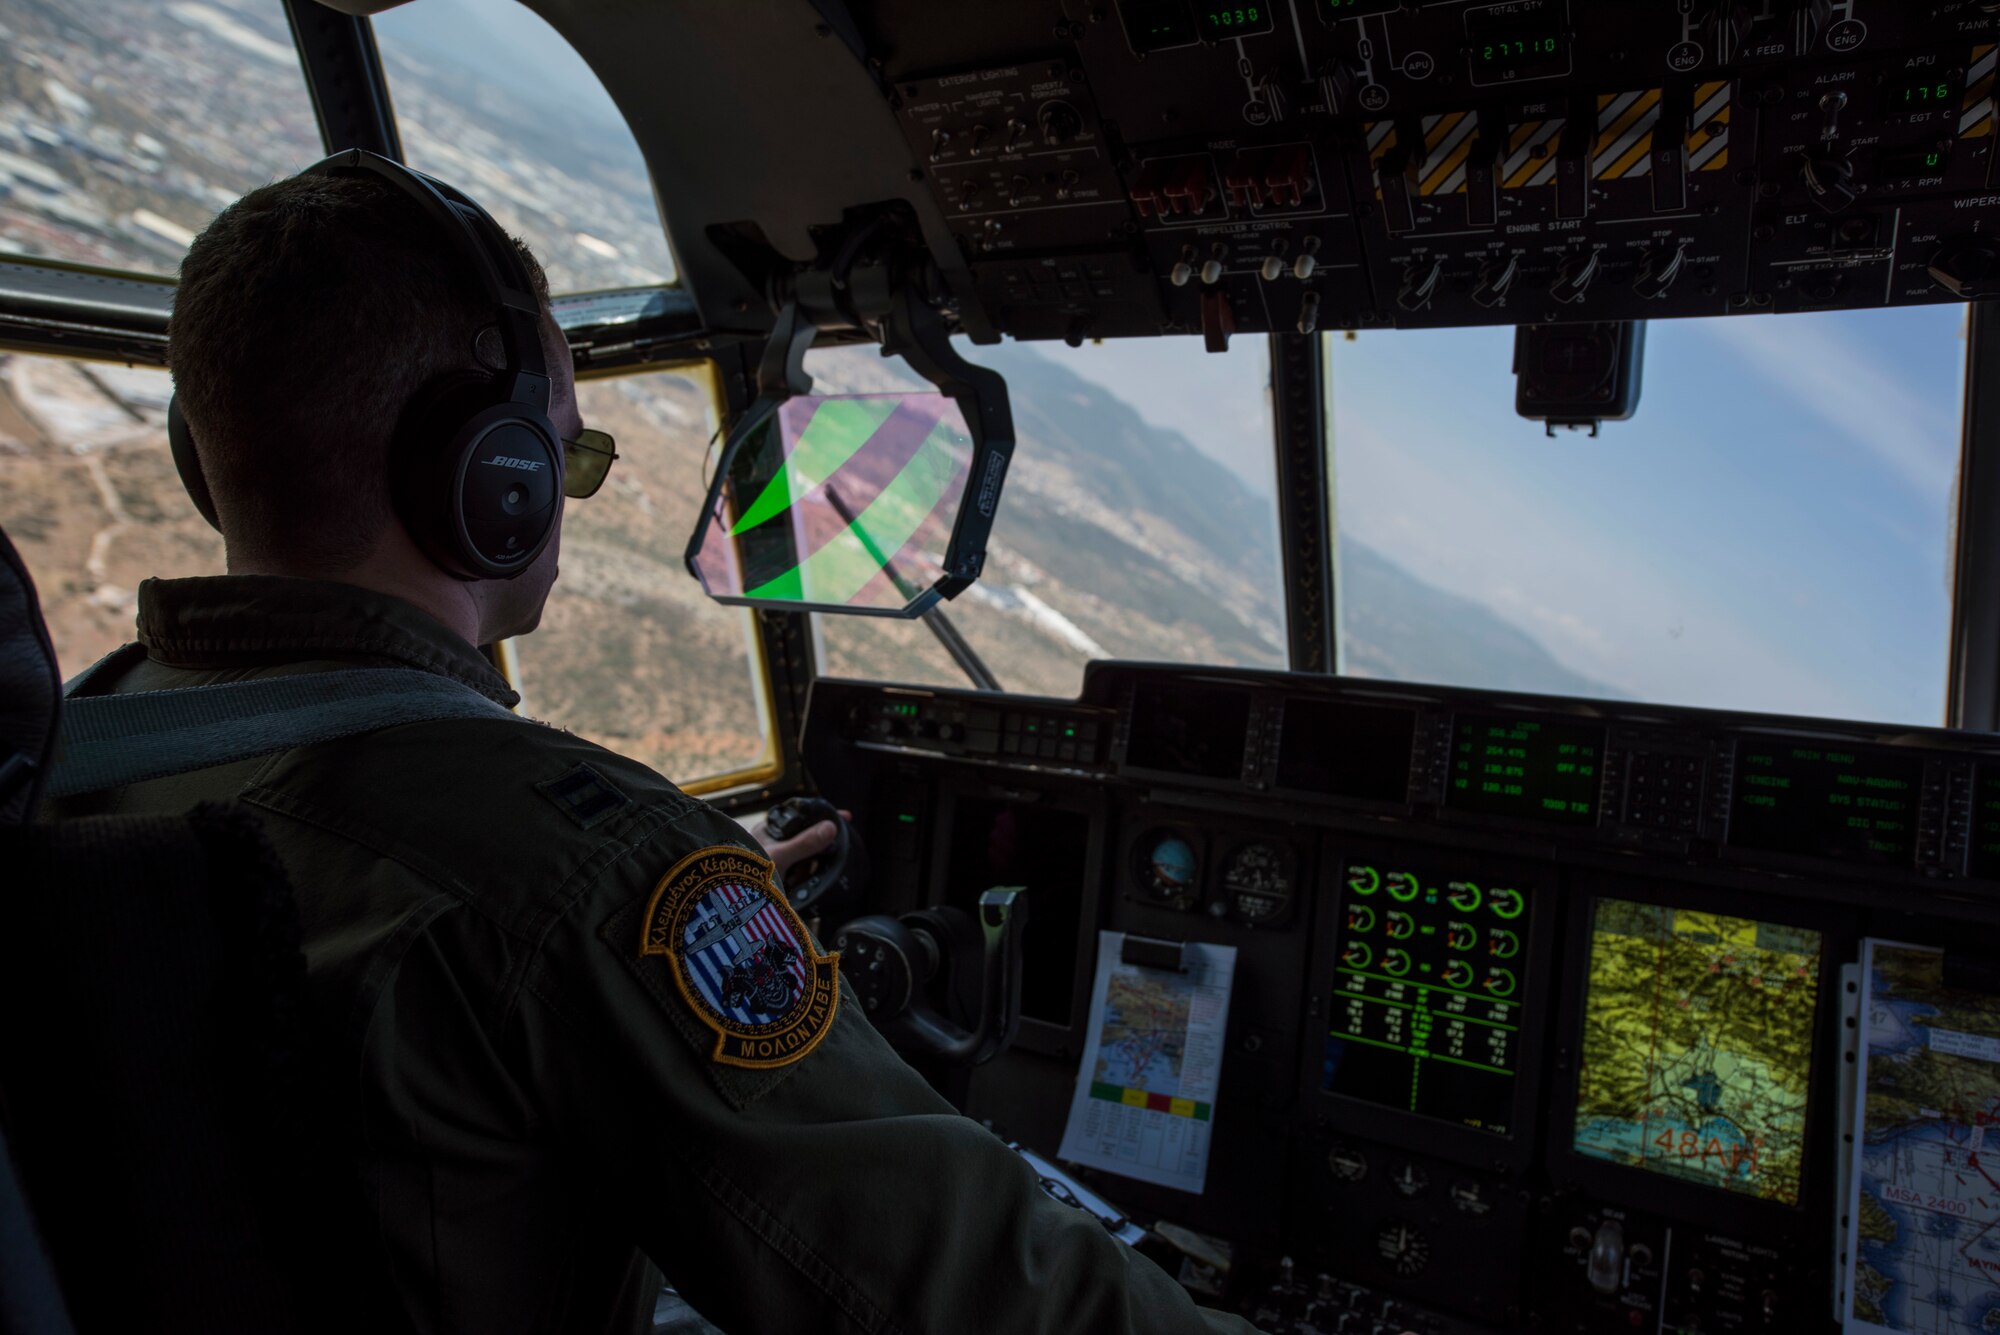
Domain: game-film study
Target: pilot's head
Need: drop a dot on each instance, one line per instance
(310, 315)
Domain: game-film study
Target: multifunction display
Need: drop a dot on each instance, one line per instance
(1195, 730)
(1816, 799)
(1357, 752)
(1986, 824)
(1528, 768)
(1697, 1047)
(1429, 993)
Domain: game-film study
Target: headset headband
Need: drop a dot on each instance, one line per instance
(488, 251)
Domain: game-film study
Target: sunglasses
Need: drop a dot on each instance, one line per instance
(586, 462)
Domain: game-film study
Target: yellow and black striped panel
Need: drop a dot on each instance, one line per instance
(1447, 143)
(1381, 142)
(1708, 128)
(1627, 123)
(1624, 144)
(1531, 154)
(1976, 121)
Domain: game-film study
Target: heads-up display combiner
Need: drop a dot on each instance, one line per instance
(868, 504)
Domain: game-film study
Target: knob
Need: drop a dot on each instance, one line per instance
(1659, 272)
(1574, 278)
(1967, 267)
(1181, 274)
(1060, 123)
(1495, 277)
(1303, 266)
(1211, 271)
(1420, 280)
(1605, 1265)
(1829, 178)
(1273, 269)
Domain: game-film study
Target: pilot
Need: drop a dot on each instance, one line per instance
(576, 1032)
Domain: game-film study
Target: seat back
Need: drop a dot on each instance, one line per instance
(156, 1069)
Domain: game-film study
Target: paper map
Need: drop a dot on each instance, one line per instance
(1924, 1251)
(1145, 1097)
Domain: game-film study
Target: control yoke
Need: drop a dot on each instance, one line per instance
(890, 962)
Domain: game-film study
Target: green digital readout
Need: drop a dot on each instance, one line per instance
(1540, 770)
(1220, 21)
(1519, 41)
(1914, 93)
(1813, 799)
(1517, 50)
(1157, 25)
(1920, 163)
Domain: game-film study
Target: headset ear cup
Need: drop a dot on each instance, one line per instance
(478, 480)
(424, 459)
(180, 440)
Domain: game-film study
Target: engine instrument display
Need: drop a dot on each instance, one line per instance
(1429, 993)
(1813, 799)
(1696, 1053)
(1527, 768)
(1357, 752)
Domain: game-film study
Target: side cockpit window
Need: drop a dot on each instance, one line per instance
(88, 495)
(125, 125)
(491, 98)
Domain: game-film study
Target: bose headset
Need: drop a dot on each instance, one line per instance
(476, 469)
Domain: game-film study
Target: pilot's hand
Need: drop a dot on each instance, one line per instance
(807, 843)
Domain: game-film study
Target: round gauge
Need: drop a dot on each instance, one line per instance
(1258, 878)
(1347, 1163)
(1166, 867)
(1403, 1249)
(1410, 1180)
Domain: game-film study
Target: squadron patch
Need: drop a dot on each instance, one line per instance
(742, 959)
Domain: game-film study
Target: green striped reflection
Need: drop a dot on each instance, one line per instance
(840, 569)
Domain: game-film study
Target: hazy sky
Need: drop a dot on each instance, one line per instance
(1770, 533)
(504, 38)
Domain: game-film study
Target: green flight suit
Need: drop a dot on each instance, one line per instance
(535, 1106)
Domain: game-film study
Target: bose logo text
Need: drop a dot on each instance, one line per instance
(525, 465)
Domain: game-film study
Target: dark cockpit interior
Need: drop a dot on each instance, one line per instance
(1374, 994)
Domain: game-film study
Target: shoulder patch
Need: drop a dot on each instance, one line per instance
(742, 959)
(584, 795)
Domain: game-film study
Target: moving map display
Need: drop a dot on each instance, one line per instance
(1924, 1250)
(1429, 993)
(1697, 1047)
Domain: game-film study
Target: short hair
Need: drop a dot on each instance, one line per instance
(309, 315)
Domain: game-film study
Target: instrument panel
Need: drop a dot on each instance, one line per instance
(1162, 166)
(1544, 1007)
